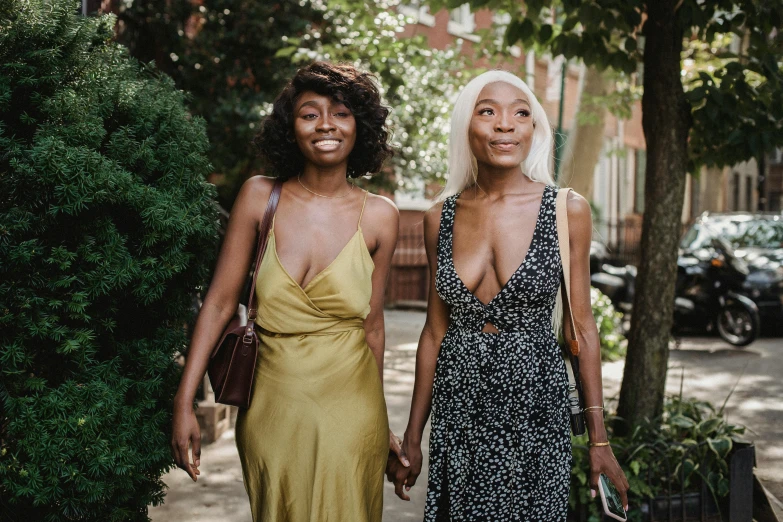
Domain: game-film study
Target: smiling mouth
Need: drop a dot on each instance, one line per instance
(326, 144)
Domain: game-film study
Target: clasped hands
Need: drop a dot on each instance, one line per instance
(403, 465)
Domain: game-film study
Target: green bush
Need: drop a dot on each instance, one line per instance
(689, 431)
(610, 326)
(107, 230)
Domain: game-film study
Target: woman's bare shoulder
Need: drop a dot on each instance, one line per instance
(577, 206)
(381, 207)
(254, 194)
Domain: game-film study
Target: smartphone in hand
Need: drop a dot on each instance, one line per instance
(610, 498)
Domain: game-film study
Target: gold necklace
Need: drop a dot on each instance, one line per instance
(299, 178)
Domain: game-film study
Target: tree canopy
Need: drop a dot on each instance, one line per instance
(233, 59)
(724, 113)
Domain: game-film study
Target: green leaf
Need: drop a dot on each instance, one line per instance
(285, 52)
(723, 487)
(545, 33)
(526, 29)
(720, 446)
(513, 32)
(708, 426)
(682, 421)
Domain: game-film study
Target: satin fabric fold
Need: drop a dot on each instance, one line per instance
(314, 442)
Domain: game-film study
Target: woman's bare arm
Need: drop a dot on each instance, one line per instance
(580, 234)
(580, 230)
(219, 305)
(384, 219)
(231, 272)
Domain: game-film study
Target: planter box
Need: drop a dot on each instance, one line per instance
(700, 506)
(686, 508)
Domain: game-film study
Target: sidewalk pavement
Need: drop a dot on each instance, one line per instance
(711, 368)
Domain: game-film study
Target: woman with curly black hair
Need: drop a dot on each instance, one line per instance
(315, 440)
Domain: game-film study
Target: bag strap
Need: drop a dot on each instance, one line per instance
(263, 237)
(561, 217)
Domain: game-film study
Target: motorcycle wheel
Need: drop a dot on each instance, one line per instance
(737, 325)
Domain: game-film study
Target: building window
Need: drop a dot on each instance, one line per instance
(736, 192)
(462, 23)
(641, 168)
(420, 14)
(749, 194)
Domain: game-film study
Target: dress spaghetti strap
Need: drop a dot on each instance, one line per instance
(359, 224)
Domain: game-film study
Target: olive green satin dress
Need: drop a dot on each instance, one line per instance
(314, 442)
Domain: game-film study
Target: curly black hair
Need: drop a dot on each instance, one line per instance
(344, 83)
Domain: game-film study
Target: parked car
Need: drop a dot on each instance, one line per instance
(757, 240)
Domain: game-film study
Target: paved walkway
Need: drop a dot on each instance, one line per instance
(711, 369)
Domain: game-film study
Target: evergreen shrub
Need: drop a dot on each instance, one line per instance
(107, 230)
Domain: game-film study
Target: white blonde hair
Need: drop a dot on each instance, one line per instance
(462, 163)
(463, 169)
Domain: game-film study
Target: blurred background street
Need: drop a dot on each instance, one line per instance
(711, 368)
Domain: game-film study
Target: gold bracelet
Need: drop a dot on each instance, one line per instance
(597, 408)
(599, 444)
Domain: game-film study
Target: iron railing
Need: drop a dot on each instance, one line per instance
(680, 501)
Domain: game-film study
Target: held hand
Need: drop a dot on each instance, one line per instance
(397, 474)
(413, 451)
(397, 465)
(602, 460)
(395, 446)
(184, 433)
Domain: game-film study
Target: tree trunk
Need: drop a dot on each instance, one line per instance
(587, 138)
(666, 121)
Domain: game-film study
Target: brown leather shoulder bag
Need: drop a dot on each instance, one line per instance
(232, 364)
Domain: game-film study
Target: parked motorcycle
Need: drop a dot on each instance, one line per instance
(707, 293)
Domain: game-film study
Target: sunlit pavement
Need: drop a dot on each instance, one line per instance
(711, 369)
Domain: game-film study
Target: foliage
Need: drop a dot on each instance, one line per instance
(107, 228)
(729, 114)
(419, 83)
(223, 53)
(736, 98)
(622, 93)
(692, 440)
(610, 327)
(233, 78)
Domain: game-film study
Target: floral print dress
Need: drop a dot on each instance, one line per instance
(500, 446)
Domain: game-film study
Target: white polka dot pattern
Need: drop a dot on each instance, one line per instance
(500, 446)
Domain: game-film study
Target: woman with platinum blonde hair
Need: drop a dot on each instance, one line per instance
(488, 366)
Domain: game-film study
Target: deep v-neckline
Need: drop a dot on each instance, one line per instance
(323, 271)
(514, 273)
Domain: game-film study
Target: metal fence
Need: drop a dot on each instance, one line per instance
(622, 240)
(684, 494)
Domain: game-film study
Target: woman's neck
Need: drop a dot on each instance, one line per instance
(495, 183)
(325, 180)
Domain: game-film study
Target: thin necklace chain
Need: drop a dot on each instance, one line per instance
(299, 178)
